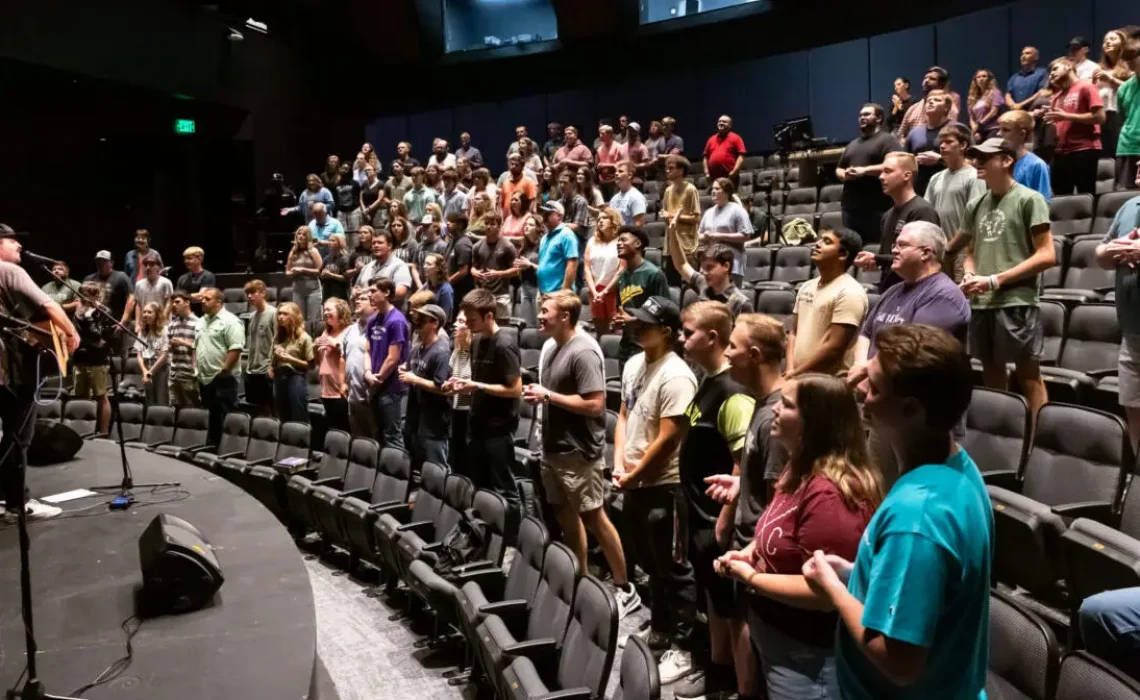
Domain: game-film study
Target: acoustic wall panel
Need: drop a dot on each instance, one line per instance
(424, 127)
(973, 41)
(384, 133)
(1049, 24)
(529, 111)
(568, 107)
(1111, 14)
(483, 121)
(839, 78)
(781, 85)
(906, 53)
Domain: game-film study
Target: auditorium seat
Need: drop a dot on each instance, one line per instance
(1105, 176)
(752, 163)
(1054, 316)
(128, 376)
(830, 198)
(611, 428)
(1076, 468)
(332, 464)
(52, 412)
(638, 678)
(1085, 280)
(1106, 207)
(266, 482)
(1055, 275)
(1104, 556)
(655, 231)
(526, 432)
(534, 627)
(390, 490)
(586, 655)
(530, 348)
(611, 360)
(757, 265)
(425, 508)
(191, 427)
(830, 221)
(326, 495)
(262, 445)
(654, 256)
(1087, 677)
(157, 429)
(1024, 653)
(81, 415)
(800, 202)
(233, 441)
(417, 538)
(1071, 215)
(770, 175)
(132, 414)
(997, 431)
(1090, 352)
(234, 301)
(791, 266)
(777, 303)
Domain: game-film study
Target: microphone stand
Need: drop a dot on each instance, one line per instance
(33, 687)
(125, 497)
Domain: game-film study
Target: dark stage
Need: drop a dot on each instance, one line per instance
(256, 640)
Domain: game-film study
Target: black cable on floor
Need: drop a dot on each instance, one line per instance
(119, 665)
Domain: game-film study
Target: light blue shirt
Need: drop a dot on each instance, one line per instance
(556, 249)
(923, 576)
(416, 201)
(307, 199)
(1031, 171)
(322, 232)
(630, 203)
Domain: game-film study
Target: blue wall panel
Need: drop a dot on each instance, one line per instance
(907, 53)
(1110, 14)
(781, 84)
(522, 111)
(571, 107)
(718, 92)
(424, 127)
(1049, 24)
(973, 41)
(481, 120)
(838, 76)
(384, 133)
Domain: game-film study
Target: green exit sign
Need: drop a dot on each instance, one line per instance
(185, 126)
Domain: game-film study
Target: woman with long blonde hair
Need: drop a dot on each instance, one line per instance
(526, 267)
(1110, 74)
(292, 355)
(330, 360)
(823, 500)
(602, 269)
(153, 347)
(986, 103)
(303, 265)
(460, 404)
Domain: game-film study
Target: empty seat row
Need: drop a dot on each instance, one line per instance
(1081, 214)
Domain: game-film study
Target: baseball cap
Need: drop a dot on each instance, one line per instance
(433, 311)
(7, 231)
(554, 206)
(659, 311)
(427, 220)
(635, 126)
(103, 255)
(1078, 42)
(991, 147)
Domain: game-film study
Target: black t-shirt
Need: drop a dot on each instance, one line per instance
(95, 335)
(370, 193)
(917, 209)
(494, 360)
(336, 264)
(866, 193)
(762, 461)
(458, 255)
(894, 119)
(705, 451)
(430, 413)
(117, 287)
(192, 283)
(346, 195)
(497, 257)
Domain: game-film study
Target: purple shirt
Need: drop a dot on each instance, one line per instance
(383, 332)
(934, 301)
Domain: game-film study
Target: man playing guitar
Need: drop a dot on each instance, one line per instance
(21, 298)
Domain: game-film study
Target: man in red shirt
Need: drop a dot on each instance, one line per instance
(573, 154)
(606, 156)
(1077, 113)
(724, 151)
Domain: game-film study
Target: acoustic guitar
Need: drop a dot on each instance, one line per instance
(49, 339)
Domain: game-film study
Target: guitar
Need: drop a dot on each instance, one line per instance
(49, 339)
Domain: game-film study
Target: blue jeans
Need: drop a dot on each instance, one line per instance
(792, 669)
(388, 414)
(291, 394)
(1110, 627)
(434, 450)
(492, 461)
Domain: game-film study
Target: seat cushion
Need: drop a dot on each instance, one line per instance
(521, 680)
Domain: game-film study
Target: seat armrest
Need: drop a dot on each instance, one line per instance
(539, 650)
(419, 527)
(1100, 511)
(195, 449)
(263, 462)
(568, 694)
(355, 493)
(432, 546)
(1099, 374)
(396, 510)
(231, 455)
(491, 580)
(307, 472)
(1005, 478)
(473, 566)
(328, 481)
(317, 457)
(160, 443)
(512, 612)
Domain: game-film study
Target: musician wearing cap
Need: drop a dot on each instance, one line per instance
(20, 298)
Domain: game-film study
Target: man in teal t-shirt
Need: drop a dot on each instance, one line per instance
(914, 607)
(557, 252)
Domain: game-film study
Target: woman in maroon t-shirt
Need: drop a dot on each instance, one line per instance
(823, 500)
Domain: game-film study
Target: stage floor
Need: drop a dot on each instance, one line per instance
(257, 639)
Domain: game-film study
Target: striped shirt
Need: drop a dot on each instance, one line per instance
(461, 369)
(181, 357)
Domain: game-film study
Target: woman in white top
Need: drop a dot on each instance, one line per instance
(529, 152)
(726, 222)
(460, 403)
(1109, 75)
(153, 347)
(304, 267)
(602, 269)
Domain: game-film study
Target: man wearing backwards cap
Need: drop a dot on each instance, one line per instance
(428, 423)
(20, 297)
(657, 388)
(1009, 244)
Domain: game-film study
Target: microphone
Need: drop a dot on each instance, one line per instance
(166, 269)
(32, 257)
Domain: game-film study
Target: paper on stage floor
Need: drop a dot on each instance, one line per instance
(68, 496)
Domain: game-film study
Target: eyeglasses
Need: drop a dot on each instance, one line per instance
(903, 245)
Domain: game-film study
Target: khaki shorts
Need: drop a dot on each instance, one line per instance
(570, 478)
(91, 382)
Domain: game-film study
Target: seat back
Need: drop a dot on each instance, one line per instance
(53, 411)
(1052, 315)
(234, 300)
(591, 638)
(1106, 207)
(1071, 215)
(235, 433)
(1024, 654)
(655, 231)
(362, 459)
(526, 567)
(793, 264)
(457, 495)
(158, 425)
(1084, 272)
(294, 441)
(639, 678)
(1092, 340)
(263, 434)
(393, 477)
(1130, 511)
(550, 608)
(335, 461)
(191, 427)
(81, 415)
(1053, 276)
(997, 428)
(800, 201)
(1078, 454)
(777, 303)
(830, 197)
(611, 429)
(491, 508)
(757, 264)
(429, 497)
(133, 417)
(1086, 677)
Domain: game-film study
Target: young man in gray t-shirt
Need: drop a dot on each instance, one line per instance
(572, 393)
(260, 335)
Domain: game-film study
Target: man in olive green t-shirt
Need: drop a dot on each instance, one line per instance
(260, 335)
(1010, 245)
(639, 280)
(217, 350)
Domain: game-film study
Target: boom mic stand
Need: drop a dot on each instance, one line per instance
(33, 688)
(125, 497)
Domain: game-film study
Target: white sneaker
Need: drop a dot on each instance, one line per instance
(674, 665)
(40, 511)
(628, 600)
